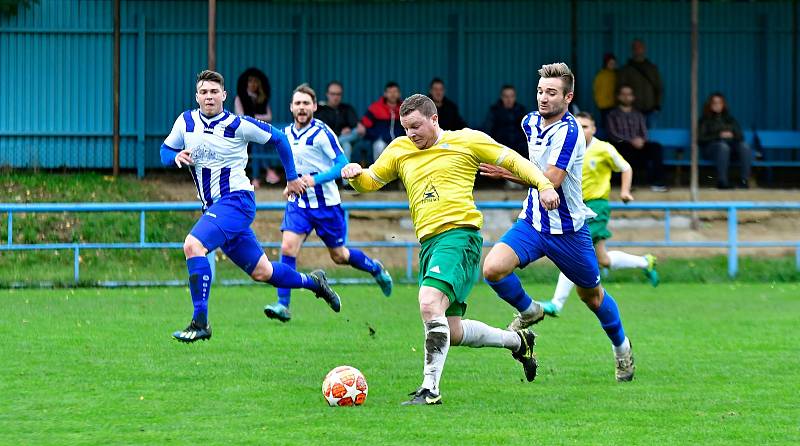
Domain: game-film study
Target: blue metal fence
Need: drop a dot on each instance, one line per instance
(732, 243)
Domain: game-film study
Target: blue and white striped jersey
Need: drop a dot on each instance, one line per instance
(314, 148)
(563, 145)
(219, 150)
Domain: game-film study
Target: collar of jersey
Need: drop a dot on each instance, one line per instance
(305, 129)
(210, 125)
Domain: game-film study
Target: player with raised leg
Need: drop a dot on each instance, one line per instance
(438, 171)
(319, 161)
(556, 145)
(212, 143)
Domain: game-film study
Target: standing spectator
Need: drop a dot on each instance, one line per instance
(642, 75)
(628, 133)
(604, 87)
(252, 99)
(340, 117)
(449, 117)
(503, 121)
(720, 138)
(381, 123)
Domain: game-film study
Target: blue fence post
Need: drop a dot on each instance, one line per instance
(733, 244)
(667, 224)
(409, 261)
(10, 227)
(797, 258)
(141, 228)
(141, 97)
(76, 268)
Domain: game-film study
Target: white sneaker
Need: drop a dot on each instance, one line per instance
(524, 320)
(624, 364)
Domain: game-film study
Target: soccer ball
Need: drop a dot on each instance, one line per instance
(344, 386)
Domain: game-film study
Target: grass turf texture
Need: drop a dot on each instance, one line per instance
(716, 364)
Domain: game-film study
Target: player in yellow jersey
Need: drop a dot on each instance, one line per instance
(438, 170)
(600, 160)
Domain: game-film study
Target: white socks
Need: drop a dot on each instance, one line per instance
(563, 288)
(621, 259)
(623, 348)
(437, 343)
(477, 334)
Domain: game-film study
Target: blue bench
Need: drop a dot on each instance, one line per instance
(779, 148)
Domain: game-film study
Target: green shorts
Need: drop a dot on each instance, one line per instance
(450, 262)
(598, 225)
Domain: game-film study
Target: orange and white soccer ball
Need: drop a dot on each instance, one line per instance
(344, 386)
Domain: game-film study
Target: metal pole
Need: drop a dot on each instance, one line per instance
(212, 35)
(733, 227)
(574, 37)
(794, 64)
(693, 113)
(116, 88)
(76, 268)
(142, 97)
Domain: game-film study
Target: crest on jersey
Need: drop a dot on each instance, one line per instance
(430, 195)
(593, 164)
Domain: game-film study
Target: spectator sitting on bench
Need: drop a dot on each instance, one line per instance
(381, 123)
(628, 133)
(720, 138)
(252, 99)
(340, 117)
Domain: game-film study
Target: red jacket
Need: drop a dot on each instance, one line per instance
(382, 121)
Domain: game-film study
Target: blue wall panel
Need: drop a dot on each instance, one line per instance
(56, 61)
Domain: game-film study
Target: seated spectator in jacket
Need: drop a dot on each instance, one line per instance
(720, 139)
(449, 117)
(604, 87)
(340, 117)
(627, 131)
(504, 121)
(381, 123)
(252, 99)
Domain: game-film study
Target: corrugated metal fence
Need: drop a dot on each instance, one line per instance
(56, 61)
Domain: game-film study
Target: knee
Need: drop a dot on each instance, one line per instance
(592, 297)
(494, 271)
(193, 248)
(428, 310)
(289, 248)
(604, 261)
(260, 273)
(339, 258)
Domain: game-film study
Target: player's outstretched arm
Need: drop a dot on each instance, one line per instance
(360, 178)
(627, 179)
(334, 173)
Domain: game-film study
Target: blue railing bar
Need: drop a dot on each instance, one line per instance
(76, 267)
(733, 226)
(667, 224)
(10, 227)
(141, 228)
(382, 205)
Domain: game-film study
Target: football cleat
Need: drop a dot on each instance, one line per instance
(650, 272)
(325, 292)
(525, 353)
(624, 365)
(423, 397)
(525, 320)
(278, 311)
(384, 279)
(194, 332)
(550, 309)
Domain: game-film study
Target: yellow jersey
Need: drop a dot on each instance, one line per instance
(439, 180)
(600, 159)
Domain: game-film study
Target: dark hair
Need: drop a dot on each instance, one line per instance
(619, 88)
(210, 76)
(585, 115)
(436, 80)
(327, 87)
(391, 84)
(418, 102)
(507, 87)
(707, 106)
(305, 88)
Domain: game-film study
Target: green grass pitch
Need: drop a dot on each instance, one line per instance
(716, 364)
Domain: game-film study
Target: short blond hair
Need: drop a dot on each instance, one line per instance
(559, 70)
(418, 102)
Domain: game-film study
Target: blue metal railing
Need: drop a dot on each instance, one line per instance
(732, 243)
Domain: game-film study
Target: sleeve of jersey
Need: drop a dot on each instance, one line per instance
(617, 161)
(334, 172)
(381, 173)
(491, 152)
(563, 145)
(281, 144)
(173, 144)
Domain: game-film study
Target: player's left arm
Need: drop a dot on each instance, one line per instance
(330, 146)
(489, 151)
(260, 132)
(619, 164)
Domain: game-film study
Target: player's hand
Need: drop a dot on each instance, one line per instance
(494, 172)
(309, 180)
(625, 197)
(184, 158)
(351, 170)
(549, 199)
(295, 188)
(637, 143)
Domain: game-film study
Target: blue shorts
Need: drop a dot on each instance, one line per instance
(573, 253)
(226, 225)
(328, 222)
